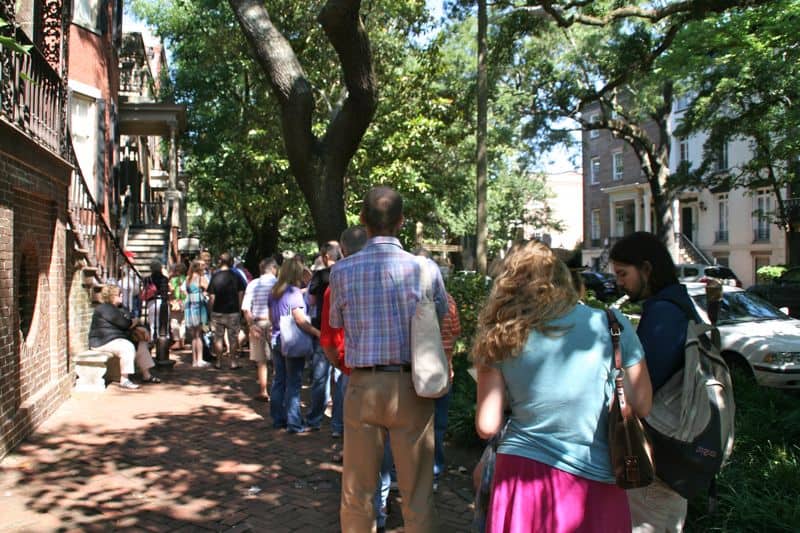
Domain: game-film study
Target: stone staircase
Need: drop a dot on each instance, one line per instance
(147, 244)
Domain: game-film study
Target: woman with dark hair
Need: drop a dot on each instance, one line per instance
(551, 357)
(286, 298)
(645, 271)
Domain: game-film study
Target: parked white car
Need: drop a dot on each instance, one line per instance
(755, 335)
(691, 272)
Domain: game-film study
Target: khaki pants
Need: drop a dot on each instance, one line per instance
(656, 509)
(374, 402)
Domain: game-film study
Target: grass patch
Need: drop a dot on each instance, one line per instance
(760, 489)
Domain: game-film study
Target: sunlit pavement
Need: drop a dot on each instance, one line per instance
(194, 453)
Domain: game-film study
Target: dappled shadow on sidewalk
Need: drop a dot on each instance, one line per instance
(195, 453)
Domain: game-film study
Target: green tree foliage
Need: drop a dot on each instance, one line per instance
(572, 55)
(233, 156)
(743, 68)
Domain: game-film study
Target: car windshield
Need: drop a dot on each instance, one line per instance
(742, 307)
(720, 272)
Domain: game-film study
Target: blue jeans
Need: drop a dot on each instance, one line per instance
(294, 381)
(277, 406)
(337, 418)
(384, 484)
(439, 428)
(285, 398)
(319, 383)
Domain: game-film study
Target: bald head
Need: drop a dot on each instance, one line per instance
(382, 211)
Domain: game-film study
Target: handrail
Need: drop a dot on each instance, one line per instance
(87, 218)
(33, 96)
(686, 242)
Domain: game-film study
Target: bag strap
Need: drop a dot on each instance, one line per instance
(426, 288)
(615, 329)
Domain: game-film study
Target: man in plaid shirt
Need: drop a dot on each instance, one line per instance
(374, 294)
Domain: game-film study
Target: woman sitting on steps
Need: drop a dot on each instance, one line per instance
(111, 331)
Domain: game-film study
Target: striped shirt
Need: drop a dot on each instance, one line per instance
(256, 296)
(374, 294)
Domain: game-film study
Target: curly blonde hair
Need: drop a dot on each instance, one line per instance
(108, 292)
(533, 288)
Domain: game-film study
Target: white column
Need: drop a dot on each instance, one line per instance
(638, 208)
(648, 211)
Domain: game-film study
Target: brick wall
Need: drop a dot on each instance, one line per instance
(35, 377)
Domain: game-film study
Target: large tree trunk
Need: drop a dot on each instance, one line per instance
(319, 166)
(481, 226)
(263, 243)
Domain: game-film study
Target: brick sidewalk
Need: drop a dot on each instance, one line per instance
(194, 453)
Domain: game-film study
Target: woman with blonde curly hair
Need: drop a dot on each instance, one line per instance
(552, 357)
(112, 330)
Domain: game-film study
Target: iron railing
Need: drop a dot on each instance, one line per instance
(150, 213)
(692, 250)
(94, 236)
(760, 234)
(721, 235)
(33, 97)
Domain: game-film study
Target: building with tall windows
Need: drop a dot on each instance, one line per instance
(732, 227)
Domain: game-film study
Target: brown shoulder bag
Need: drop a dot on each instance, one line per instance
(628, 445)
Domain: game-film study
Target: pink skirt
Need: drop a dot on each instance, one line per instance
(529, 496)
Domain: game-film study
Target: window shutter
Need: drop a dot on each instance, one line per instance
(100, 165)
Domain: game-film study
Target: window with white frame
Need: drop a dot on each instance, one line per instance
(683, 150)
(594, 119)
(595, 226)
(594, 171)
(618, 166)
(762, 211)
(87, 13)
(721, 158)
(83, 125)
(722, 218)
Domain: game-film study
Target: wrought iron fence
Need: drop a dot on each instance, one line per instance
(760, 234)
(93, 234)
(721, 235)
(33, 96)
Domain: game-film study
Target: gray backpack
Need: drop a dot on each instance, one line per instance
(691, 423)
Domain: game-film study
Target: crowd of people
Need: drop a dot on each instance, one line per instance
(541, 358)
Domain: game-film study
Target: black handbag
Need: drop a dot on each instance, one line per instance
(629, 446)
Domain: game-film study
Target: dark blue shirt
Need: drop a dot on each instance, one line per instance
(662, 331)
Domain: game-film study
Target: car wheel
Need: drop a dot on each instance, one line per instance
(741, 370)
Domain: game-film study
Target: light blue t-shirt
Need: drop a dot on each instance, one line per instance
(559, 388)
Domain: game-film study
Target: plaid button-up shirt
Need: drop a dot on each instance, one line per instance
(374, 294)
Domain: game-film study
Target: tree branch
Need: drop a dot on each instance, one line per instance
(287, 79)
(342, 24)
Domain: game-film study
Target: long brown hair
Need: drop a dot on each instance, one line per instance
(533, 288)
(291, 273)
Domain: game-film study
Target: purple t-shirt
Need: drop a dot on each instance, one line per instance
(290, 299)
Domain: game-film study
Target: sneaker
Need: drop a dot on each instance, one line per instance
(336, 434)
(128, 385)
(435, 487)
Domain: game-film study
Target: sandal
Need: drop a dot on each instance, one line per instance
(151, 379)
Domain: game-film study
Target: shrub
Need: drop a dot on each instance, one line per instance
(760, 488)
(770, 273)
(469, 291)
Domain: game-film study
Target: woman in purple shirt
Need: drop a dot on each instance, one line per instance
(286, 298)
